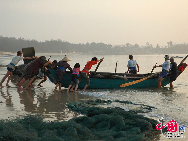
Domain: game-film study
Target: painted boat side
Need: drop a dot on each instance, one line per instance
(109, 83)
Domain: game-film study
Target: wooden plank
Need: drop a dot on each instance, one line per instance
(182, 61)
(120, 74)
(28, 52)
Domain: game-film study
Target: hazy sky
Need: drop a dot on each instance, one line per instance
(113, 22)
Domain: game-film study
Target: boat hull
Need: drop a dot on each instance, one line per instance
(109, 83)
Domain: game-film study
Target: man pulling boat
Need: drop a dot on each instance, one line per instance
(85, 72)
(165, 69)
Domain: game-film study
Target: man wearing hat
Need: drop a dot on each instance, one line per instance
(165, 69)
(60, 72)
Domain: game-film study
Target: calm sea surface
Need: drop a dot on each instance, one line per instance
(169, 104)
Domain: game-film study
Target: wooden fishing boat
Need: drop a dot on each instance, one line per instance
(107, 80)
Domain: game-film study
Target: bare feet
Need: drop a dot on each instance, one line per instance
(19, 89)
(31, 86)
(8, 86)
(159, 87)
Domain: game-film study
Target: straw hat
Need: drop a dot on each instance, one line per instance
(65, 59)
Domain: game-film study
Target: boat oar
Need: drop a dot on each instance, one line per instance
(98, 64)
(153, 68)
(49, 58)
(138, 81)
(116, 67)
(182, 61)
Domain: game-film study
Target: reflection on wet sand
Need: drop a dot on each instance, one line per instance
(56, 104)
(43, 101)
(7, 97)
(52, 106)
(27, 98)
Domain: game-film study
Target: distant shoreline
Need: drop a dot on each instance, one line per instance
(81, 53)
(6, 53)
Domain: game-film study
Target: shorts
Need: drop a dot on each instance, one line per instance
(74, 79)
(163, 74)
(85, 76)
(9, 69)
(133, 71)
(173, 77)
(28, 75)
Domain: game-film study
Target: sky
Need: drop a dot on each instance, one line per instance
(115, 22)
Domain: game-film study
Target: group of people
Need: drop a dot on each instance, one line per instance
(76, 74)
(33, 70)
(169, 68)
(11, 67)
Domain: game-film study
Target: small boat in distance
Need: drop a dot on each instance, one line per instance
(178, 57)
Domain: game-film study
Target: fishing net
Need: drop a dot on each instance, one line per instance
(98, 124)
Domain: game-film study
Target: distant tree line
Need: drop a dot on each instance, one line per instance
(11, 44)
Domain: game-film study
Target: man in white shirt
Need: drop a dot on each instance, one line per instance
(165, 69)
(11, 67)
(132, 65)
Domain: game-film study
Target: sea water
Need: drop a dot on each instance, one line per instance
(169, 104)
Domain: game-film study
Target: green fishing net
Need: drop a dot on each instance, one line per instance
(97, 123)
